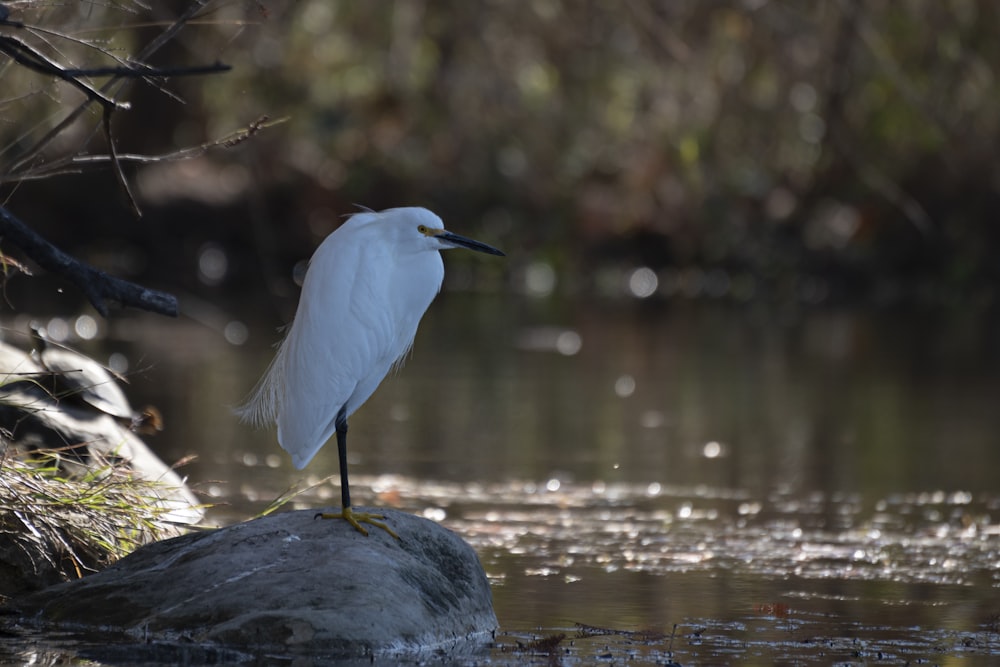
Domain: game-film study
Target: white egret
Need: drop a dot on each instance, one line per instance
(366, 288)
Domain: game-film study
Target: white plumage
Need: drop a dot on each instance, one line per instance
(365, 290)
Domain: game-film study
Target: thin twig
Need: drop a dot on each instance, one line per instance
(117, 167)
(75, 164)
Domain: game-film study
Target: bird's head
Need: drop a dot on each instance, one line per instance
(423, 224)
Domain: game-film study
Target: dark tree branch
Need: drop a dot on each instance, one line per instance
(115, 82)
(145, 71)
(25, 55)
(99, 287)
(96, 284)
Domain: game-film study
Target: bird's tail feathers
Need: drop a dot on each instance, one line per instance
(263, 404)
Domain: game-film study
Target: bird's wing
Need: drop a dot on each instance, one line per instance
(338, 336)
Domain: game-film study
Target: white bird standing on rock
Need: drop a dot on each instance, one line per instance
(365, 290)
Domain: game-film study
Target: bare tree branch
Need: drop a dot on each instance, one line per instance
(146, 71)
(24, 54)
(119, 174)
(96, 284)
(172, 31)
(48, 57)
(75, 164)
(113, 85)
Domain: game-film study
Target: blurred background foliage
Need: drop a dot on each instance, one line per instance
(821, 151)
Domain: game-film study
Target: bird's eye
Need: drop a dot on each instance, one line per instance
(422, 229)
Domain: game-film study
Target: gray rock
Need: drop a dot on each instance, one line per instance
(289, 584)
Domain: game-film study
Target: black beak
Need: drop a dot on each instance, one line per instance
(463, 242)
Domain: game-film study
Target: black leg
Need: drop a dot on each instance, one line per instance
(345, 491)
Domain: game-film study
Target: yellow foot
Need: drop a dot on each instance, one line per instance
(356, 519)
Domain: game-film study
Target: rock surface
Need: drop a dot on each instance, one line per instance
(289, 584)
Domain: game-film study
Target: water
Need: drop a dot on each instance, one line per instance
(694, 482)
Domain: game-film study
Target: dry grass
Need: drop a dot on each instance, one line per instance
(56, 528)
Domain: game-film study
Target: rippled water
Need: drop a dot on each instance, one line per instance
(696, 483)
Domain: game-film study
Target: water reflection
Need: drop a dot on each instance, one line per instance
(686, 461)
(831, 401)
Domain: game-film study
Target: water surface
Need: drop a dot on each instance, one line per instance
(679, 481)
